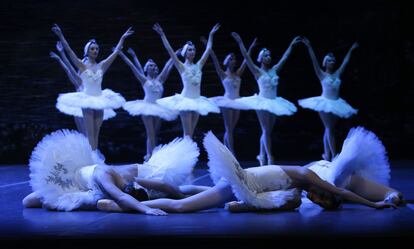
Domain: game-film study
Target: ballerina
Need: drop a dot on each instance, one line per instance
(267, 104)
(230, 79)
(329, 105)
(189, 103)
(64, 177)
(93, 100)
(277, 187)
(77, 83)
(152, 82)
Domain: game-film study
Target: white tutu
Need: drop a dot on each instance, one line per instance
(177, 102)
(245, 185)
(278, 106)
(172, 163)
(339, 107)
(77, 112)
(225, 102)
(142, 107)
(362, 154)
(55, 170)
(106, 100)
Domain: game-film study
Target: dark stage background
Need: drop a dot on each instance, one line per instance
(378, 80)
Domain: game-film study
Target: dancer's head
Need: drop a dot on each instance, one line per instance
(230, 61)
(329, 62)
(323, 198)
(188, 51)
(137, 191)
(264, 57)
(151, 68)
(91, 50)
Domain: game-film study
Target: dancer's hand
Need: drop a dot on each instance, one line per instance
(254, 43)
(355, 45)
(296, 40)
(178, 51)
(127, 33)
(236, 37)
(215, 29)
(131, 52)
(158, 29)
(156, 212)
(306, 41)
(56, 29)
(54, 55)
(382, 205)
(59, 46)
(203, 40)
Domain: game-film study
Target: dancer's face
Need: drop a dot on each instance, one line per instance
(137, 191)
(267, 58)
(152, 69)
(190, 53)
(232, 61)
(323, 198)
(330, 63)
(93, 51)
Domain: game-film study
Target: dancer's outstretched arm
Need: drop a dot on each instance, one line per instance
(138, 74)
(125, 200)
(108, 61)
(73, 76)
(250, 64)
(239, 206)
(315, 180)
(346, 59)
(136, 60)
(209, 46)
(65, 68)
(216, 62)
(285, 56)
(240, 71)
(161, 186)
(162, 77)
(315, 63)
(75, 60)
(177, 63)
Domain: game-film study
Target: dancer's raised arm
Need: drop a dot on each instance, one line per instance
(138, 74)
(315, 62)
(285, 56)
(346, 59)
(136, 60)
(240, 71)
(72, 74)
(108, 61)
(253, 68)
(178, 64)
(162, 77)
(216, 62)
(75, 60)
(209, 46)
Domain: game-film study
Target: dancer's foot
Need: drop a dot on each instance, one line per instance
(261, 159)
(146, 157)
(108, 206)
(326, 157)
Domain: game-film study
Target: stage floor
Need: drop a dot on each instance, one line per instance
(308, 221)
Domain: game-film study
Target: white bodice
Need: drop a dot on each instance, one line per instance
(153, 90)
(269, 178)
(330, 87)
(84, 177)
(268, 82)
(231, 87)
(191, 77)
(92, 82)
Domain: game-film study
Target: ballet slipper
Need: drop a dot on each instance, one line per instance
(261, 159)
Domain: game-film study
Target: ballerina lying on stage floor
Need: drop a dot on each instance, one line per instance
(64, 177)
(360, 171)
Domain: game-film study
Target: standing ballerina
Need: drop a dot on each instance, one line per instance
(77, 82)
(151, 112)
(93, 100)
(329, 105)
(267, 104)
(189, 102)
(230, 78)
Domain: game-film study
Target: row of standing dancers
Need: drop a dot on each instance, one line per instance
(90, 105)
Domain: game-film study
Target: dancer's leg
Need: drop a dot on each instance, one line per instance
(193, 189)
(267, 121)
(329, 121)
(186, 123)
(98, 120)
(150, 132)
(194, 120)
(228, 126)
(80, 125)
(89, 126)
(261, 157)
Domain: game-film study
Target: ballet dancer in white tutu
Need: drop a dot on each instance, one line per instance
(359, 174)
(230, 79)
(189, 103)
(75, 79)
(64, 176)
(153, 84)
(267, 104)
(329, 105)
(92, 100)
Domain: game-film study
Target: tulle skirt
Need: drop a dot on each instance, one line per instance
(77, 112)
(107, 100)
(278, 106)
(339, 107)
(177, 102)
(224, 102)
(142, 107)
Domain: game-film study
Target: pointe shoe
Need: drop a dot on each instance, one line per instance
(147, 157)
(325, 157)
(261, 160)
